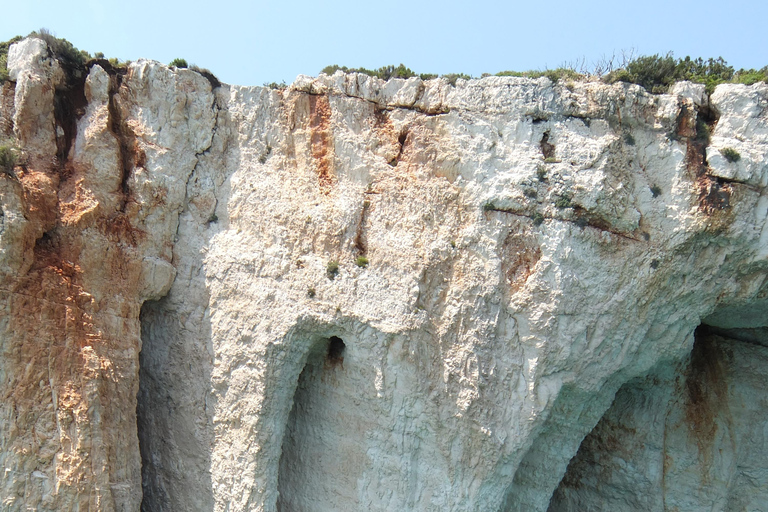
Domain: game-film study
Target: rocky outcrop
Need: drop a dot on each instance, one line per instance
(358, 295)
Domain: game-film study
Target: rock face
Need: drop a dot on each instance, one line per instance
(358, 295)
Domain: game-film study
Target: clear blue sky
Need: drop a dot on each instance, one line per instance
(254, 42)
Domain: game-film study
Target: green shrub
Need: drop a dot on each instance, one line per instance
(384, 72)
(730, 154)
(554, 75)
(629, 140)
(69, 56)
(657, 73)
(538, 219)
(489, 207)
(332, 269)
(564, 201)
(361, 261)
(276, 86)
(179, 63)
(541, 173)
(551, 160)
(9, 157)
(454, 77)
(653, 72)
(655, 191)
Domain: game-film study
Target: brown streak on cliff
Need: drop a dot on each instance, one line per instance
(695, 127)
(321, 140)
(706, 393)
(520, 253)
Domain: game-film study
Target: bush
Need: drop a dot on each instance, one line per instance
(564, 201)
(654, 72)
(361, 261)
(384, 72)
(554, 75)
(454, 77)
(657, 73)
(332, 269)
(69, 56)
(179, 63)
(655, 191)
(276, 86)
(9, 157)
(538, 219)
(730, 154)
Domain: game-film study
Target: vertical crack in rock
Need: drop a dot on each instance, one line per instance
(129, 153)
(314, 443)
(68, 107)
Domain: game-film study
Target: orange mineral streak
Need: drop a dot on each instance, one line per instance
(71, 344)
(321, 140)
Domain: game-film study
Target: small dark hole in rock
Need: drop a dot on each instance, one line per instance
(336, 350)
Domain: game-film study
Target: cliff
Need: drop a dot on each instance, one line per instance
(505, 295)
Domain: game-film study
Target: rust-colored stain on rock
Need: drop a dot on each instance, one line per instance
(321, 140)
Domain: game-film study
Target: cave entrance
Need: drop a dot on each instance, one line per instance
(322, 452)
(689, 436)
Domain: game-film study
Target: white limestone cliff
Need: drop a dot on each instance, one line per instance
(172, 334)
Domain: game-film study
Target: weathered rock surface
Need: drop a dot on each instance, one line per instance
(532, 249)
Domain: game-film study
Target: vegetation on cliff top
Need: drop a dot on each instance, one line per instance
(655, 73)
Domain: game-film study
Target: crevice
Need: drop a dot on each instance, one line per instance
(129, 154)
(582, 221)
(361, 245)
(547, 149)
(696, 127)
(401, 140)
(439, 111)
(69, 104)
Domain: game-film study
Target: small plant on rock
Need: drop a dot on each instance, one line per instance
(730, 154)
(537, 218)
(332, 269)
(9, 157)
(361, 261)
(655, 191)
(564, 201)
(179, 63)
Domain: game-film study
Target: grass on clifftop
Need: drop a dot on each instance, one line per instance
(655, 73)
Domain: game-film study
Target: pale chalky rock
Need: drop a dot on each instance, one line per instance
(363, 295)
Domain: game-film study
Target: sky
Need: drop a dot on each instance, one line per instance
(251, 43)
